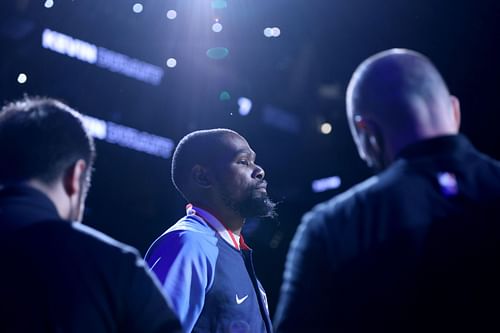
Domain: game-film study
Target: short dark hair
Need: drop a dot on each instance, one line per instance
(39, 139)
(195, 148)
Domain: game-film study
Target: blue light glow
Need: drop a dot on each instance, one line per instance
(171, 62)
(281, 119)
(325, 184)
(245, 105)
(134, 68)
(69, 46)
(217, 27)
(49, 4)
(219, 4)
(171, 14)
(137, 8)
(272, 32)
(217, 53)
(448, 183)
(95, 127)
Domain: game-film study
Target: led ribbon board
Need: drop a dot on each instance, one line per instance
(101, 57)
(128, 137)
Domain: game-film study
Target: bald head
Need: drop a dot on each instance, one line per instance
(399, 97)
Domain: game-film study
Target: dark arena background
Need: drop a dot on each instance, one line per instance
(147, 72)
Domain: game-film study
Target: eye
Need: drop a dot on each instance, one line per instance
(244, 162)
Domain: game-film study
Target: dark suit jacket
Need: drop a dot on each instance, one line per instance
(415, 248)
(59, 276)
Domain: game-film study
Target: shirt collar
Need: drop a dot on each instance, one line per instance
(442, 144)
(230, 237)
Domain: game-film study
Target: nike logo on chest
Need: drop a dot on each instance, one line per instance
(240, 300)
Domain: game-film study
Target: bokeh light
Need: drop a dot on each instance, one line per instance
(137, 8)
(171, 62)
(171, 14)
(49, 4)
(272, 32)
(326, 128)
(217, 27)
(22, 78)
(224, 96)
(217, 53)
(245, 106)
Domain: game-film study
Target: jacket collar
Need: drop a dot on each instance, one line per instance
(227, 235)
(449, 144)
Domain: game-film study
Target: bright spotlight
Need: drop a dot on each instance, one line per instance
(276, 32)
(245, 105)
(326, 128)
(171, 62)
(268, 32)
(137, 8)
(217, 27)
(49, 4)
(171, 14)
(22, 78)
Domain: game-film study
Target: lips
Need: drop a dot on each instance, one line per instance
(262, 186)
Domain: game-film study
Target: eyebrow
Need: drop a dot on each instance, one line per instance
(245, 152)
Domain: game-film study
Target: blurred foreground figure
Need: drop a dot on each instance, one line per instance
(58, 275)
(202, 261)
(415, 248)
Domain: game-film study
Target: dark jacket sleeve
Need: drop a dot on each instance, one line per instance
(304, 299)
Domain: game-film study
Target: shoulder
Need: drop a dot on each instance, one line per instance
(190, 236)
(189, 231)
(58, 245)
(100, 240)
(68, 237)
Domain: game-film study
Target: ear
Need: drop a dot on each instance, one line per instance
(201, 176)
(455, 104)
(372, 144)
(73, 176)
(360, 123)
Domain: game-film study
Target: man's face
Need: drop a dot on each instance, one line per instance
(239, 181)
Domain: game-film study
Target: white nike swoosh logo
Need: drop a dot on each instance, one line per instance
(240, 300)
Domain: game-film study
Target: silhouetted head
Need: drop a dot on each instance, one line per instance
(43, 144)
(396, 98)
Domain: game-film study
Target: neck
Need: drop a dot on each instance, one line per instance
(230, 219)
(404, 141)
(233, 222)
(55, 194)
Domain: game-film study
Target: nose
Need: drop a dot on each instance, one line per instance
(258, 172)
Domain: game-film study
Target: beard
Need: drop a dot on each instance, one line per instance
(253, 204)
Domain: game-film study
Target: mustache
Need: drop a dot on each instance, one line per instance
(261, 184)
